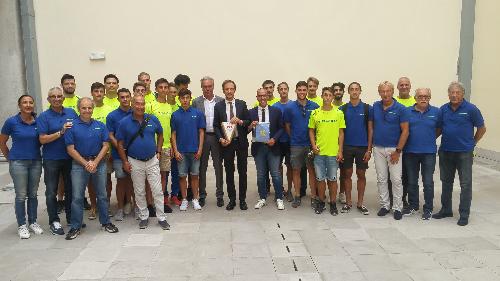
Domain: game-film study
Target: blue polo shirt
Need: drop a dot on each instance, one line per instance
(25, 143)
(386, 123)
(298, 117)
(143, 147)
(284, 137)
(423, 126)
(458, 127)
(186, 123)
(355, 133)
(50, 122)
(87, 137)
(112, 121)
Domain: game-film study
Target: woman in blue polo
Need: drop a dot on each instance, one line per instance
(25, 163)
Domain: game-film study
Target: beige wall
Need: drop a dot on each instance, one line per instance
(485, 69)
(250, 41)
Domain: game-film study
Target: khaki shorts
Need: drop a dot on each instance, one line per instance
(165, 160)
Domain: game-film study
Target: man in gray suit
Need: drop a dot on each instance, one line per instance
(205, 103)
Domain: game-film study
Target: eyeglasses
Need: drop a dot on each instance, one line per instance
(56, 96)
(423, 97)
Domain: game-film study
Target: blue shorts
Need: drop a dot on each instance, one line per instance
(188, 165)
(325, 167)
(118, 168)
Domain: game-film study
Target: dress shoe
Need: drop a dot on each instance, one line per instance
(442, 215)
(201, 201)
(220, 202)
(463, 221)
(243, 205)
(230, 206)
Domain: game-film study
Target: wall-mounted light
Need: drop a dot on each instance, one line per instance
(97, 56)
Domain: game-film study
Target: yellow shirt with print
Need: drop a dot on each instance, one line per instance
(71, 102)
(406, 102)
(100, 113)
(318, 100)
(269, 102)
(327, 125)
(163, 111)
(113, 103)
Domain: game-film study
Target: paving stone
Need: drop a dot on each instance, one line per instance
(374, 263)
(474, 274)
(152, 240)
(80, 270)
(334, 263)
(243, 266)
(431, 275)
(457, 260)
(250, 250)
(129, 269)
(387, 276)
(343, 276)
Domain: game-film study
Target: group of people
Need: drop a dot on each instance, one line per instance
(146, 136)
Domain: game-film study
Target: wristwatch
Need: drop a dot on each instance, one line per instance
(398, 150)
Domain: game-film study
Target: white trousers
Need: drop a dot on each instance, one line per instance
(150, 170)
(383, 167)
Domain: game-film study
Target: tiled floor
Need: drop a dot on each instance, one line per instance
(265, 244)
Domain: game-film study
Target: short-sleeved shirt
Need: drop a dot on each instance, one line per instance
(284, 137)
(144, 146)
(25, 142)
(458, 127)
(163, 111)
(49, 122)
(101, 113)
(113, 103)
(87, 137)
(318, 100)
(185, 124)
(387, 123)
(149, 97)
(112, 121)
(327, 125)
(422, 138)
(71, 102)
(298, 118)
(355, 133)
(406, 102)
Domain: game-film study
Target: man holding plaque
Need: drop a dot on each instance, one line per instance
(231, 121)
(267, 128)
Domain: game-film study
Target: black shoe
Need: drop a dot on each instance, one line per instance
(320, 206)
(382, 212)
(442, 215)
(243, 205)
(86, 204)
(72, 234)
(398, 215)
(333, 209)
(202, 202)
(427, 215)
(314, 203)
(56, 228)
(296, 202)
(408, 211)
(220, 202)
(463, 221)
(230, 206)
(111, 228)
(60, 206)
(143, 224)
(166, 209)
(164, 225)
(152, 211)
(405, 203)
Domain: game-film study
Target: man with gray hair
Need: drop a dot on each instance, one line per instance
(206, 103)
(420, 152)
(459, 117)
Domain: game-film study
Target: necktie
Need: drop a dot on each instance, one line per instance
(231, 112)
(263, 115)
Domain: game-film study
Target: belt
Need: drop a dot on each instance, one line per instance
(142, 159)
(89, 158)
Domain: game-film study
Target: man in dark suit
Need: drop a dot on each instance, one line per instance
(267, 154)
(206, 103)
(234, 111)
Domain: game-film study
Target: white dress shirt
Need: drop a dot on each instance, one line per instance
(228, 114)
(209, 113)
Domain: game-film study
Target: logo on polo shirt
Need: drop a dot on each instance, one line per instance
(97, 128)
(462, 113)
(193, 116)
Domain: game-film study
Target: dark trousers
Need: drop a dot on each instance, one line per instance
(211, 146)
(52, 169)
(449, 163)
(303, 181)
(414, 163)
(228, 154)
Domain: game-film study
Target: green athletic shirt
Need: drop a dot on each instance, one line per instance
(318, 100)
(269, 102)
(113, 103)
(163, 111)
(406, 102)
(327, 125)
(71, 102)
(100, 113)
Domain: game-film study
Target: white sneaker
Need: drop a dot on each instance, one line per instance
(281, 205)
(261, 203)
(23, 232)
(196, 204)
(184, 205)
(36, 228)
(342, 198)
(127, 209)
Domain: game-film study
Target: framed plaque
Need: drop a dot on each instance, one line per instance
(229, 130)
(262, 132)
